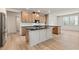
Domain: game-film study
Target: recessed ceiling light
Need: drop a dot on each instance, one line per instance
(27, 8)
(37, 15)
(38, 10)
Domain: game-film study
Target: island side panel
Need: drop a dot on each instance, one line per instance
(33, 37)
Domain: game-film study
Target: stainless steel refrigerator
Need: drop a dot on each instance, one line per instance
(2, 29)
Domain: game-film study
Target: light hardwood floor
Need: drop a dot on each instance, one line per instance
(15, 42)
(67, 40)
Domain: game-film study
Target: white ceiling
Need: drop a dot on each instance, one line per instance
(42, 10)
(46, 10)
(62, 9)
(51, 10)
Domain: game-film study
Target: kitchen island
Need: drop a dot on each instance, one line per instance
(37, 35)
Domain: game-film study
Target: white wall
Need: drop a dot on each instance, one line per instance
(53, 19)
(12, 22)
(18, 21)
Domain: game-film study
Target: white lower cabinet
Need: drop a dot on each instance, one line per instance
(42, 35)
(38, 36)
(33, 37)
(49, 33)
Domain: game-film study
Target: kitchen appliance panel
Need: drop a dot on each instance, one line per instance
(2, 29)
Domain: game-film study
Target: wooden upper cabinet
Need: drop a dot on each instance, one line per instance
(30, 18)
(42, 19)
(24, 16)
(46, 18)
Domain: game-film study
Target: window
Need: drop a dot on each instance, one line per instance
(76, 20)
(70, 20)
(66, 20)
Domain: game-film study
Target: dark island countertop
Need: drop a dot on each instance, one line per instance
(37, 27)
(34, 28)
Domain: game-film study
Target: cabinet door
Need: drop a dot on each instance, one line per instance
(42, 19)
(30, 18)
(42, 35)
(49, 33)
(33, 37)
